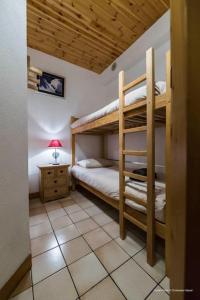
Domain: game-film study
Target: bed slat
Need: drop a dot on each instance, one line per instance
(135, 176)
(135, 129)
(135, 199)
(135, 152)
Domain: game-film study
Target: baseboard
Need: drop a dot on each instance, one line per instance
(34, 195)
(12, 283)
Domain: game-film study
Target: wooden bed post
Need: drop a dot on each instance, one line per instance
(73, 143)
(150, 157)
(73, 150)
(121, 156)
(168, 161)
(103, 154)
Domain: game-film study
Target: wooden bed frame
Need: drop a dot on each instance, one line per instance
(141, 116)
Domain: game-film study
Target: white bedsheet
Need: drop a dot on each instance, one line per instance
(106, 180)
(130, 98)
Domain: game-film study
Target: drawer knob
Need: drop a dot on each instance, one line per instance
(55, 181)
(49, 173)
(55, 191)
(61, 171)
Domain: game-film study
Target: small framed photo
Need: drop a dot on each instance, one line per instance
(51, 84)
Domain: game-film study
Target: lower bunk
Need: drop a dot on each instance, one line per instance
(104, 183)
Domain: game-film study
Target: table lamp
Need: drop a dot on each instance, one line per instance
(55, 144)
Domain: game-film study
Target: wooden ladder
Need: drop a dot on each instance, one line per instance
(149, 227)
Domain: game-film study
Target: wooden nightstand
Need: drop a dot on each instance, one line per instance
(54, 182)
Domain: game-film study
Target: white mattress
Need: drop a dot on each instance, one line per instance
(130, 98)
(106, 180)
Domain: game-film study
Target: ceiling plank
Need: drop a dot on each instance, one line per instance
(89, 33)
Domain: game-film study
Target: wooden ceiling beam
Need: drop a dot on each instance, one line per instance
(97, 20)
(89, 33)
(66, 44)
(125, 19)
(82, 28)
(65, 36)
(56, 46)
(61, 55)
(42, 16)
(48, 40)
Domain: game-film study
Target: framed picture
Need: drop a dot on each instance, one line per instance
(51, 84)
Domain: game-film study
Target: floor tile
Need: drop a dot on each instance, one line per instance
(102, 219)
(72, 208)
(38, 219)
(43, 243)
(26, 295)
(34, 203)
(24, 284)
(46, 264)
(157, 271)
(61, 222)
(165, 284)
(112, 229)
(158, 294)
(78, 216)
(40, 229)
(133, 281)
(67, 233)
(111, 256)
(106, 290)
(93, 210)
(86, 272)
(86, 225)
(52, 205)
(83, 203)
(56, 213)
(67, 202)
(75, 249)
(36, 211)
(131, 244)
(97, 238)
(56, 287)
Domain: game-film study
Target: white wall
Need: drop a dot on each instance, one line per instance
(49, 116)
(14, 227)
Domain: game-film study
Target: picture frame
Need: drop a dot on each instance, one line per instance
(51, 84)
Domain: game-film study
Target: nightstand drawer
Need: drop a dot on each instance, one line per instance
(54, 182)
(54, 193)
(61, 171)
(49, 173)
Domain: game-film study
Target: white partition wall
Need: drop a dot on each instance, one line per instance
(14, 235)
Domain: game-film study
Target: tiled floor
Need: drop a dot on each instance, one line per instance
(77, 254)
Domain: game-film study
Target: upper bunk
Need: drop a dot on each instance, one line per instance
(106, 120)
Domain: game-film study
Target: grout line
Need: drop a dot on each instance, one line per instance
(145, 270)
(93, 251)
(64, 258)
(150, 292)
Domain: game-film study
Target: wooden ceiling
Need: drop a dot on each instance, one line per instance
(89, 33)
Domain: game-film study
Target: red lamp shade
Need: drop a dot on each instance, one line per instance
(55, 144)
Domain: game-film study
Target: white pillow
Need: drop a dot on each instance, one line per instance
(94, 163)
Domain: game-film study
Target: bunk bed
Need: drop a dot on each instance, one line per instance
(140, 115)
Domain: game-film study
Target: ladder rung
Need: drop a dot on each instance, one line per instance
(138, 104)
(135, 152)
(135, 129)
(134, 82)
(135, 221)
(135, 176)
(135, 199)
